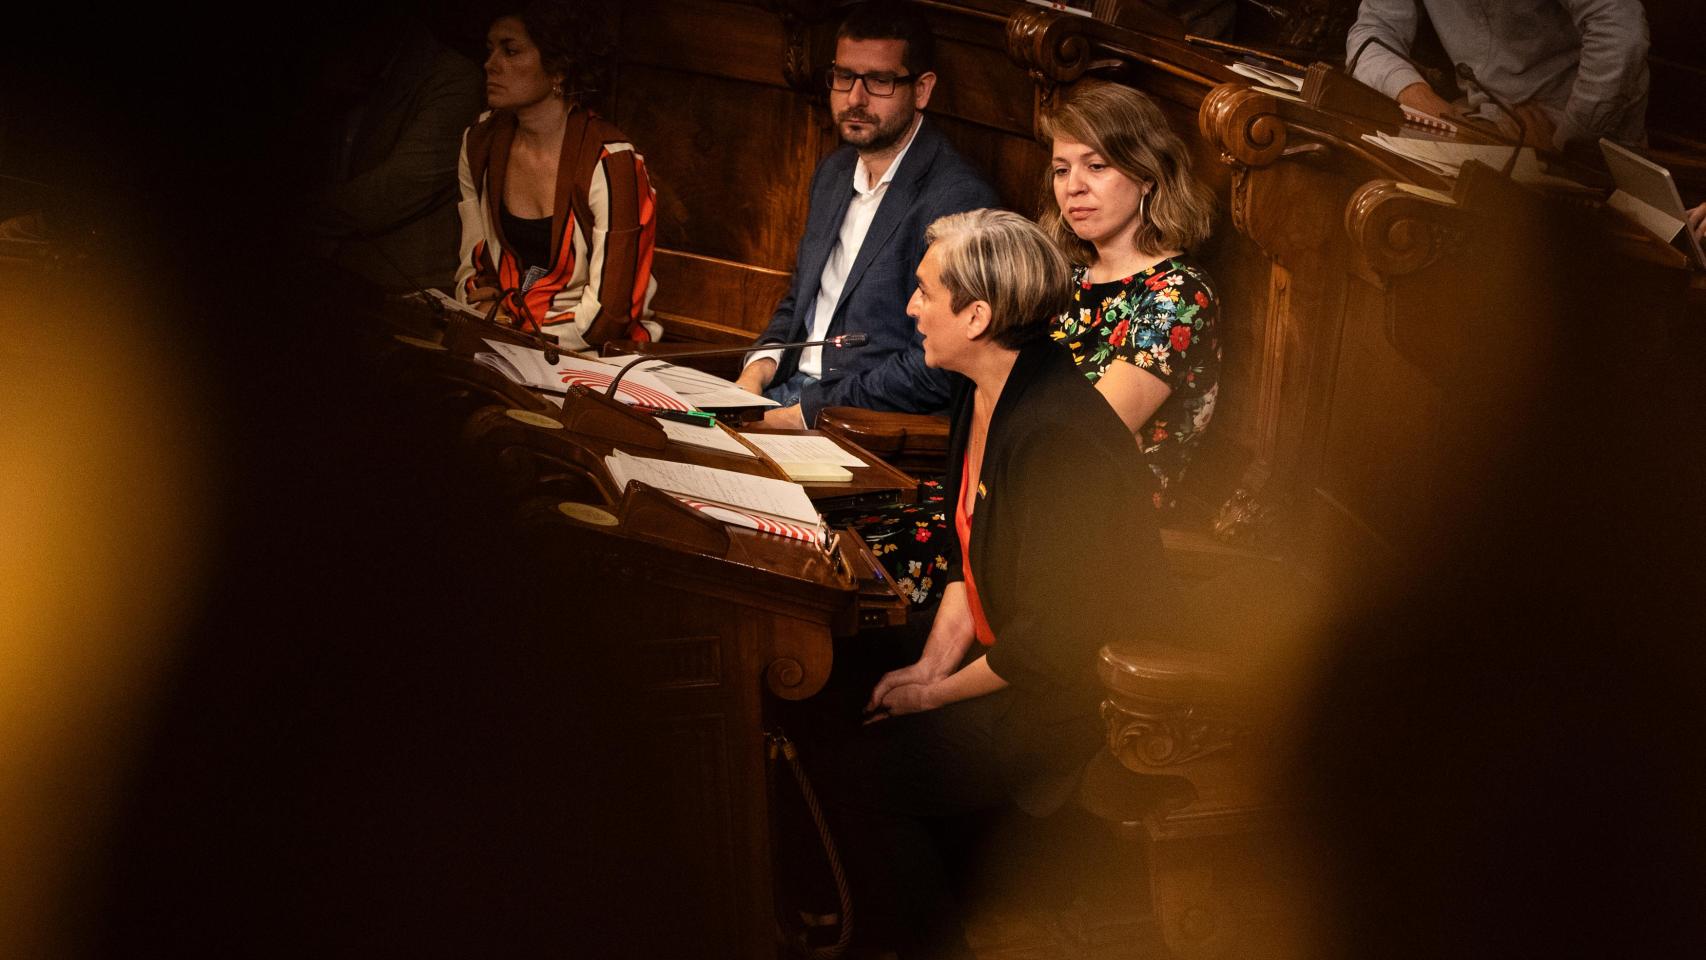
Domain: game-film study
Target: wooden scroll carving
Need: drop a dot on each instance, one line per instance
(1398, 232)
(796, 662)
(1166, 708)
(1051, 47)
(1244, 124)
(1150, 735)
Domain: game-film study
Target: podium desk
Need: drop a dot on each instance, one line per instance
(703, 622)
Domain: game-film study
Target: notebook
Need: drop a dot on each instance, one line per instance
(1425, 121)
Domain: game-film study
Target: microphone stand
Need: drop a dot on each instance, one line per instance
(845, 340)
(1467, 75)
(604, 415)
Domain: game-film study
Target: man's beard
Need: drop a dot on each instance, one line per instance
(877, 137)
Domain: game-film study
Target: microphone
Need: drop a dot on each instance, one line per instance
(1467, 75)
(547, 341)
(846, 340)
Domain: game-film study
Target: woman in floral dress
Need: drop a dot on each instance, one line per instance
(1143, 324)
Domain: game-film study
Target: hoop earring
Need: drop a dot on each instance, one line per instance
(1143, 208)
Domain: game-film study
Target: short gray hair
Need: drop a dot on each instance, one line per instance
(1007, 262)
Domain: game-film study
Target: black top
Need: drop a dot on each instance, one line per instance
(1063, 542)
(529, 239)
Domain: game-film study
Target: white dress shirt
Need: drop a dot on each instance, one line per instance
(861, 210)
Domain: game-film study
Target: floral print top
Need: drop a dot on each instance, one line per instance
(1163, 321)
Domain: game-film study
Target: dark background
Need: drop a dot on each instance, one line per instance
(360, 752)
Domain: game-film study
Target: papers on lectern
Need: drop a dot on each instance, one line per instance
(527, 366)
(758, 503)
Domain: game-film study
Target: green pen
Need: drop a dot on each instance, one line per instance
(698, 418)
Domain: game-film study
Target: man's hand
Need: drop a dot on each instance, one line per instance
(785, 418)
(1537, 127)
(757, 375)
(1420, 96)
(1697, 221)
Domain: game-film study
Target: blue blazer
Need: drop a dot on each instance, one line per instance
(888, 373)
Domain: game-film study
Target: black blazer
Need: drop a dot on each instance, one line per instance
(888, 373)
(1064, 547)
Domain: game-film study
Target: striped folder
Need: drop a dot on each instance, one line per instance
(765, 504)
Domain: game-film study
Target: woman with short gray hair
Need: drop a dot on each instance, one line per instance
(1002, 705)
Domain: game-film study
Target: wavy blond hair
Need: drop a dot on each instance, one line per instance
(1130, 132)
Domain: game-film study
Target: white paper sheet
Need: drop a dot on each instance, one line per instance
(527, 366)
(1268, 78)
(715, 437)
(706, 391)
(795, 449)
(777, 498)
(1446, 158)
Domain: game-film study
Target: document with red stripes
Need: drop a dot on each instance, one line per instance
(779, 507)
(527, 367)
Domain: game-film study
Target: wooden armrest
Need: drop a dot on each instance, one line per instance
(916, 443)
(1252, 629)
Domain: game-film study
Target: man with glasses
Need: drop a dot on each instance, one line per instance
(871, 201)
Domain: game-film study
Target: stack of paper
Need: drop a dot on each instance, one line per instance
(527, 366)
(1427, 121)
(1269, 78)
(817, 459)
(758, 503)
(448, 302)
(714, 437)
(704, 390)
(1446, 158)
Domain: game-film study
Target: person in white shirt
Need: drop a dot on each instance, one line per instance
(871, 201)
(1572, 70)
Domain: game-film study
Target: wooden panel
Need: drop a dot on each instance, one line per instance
(1013, 165)
(717, 194)
(979, 84)
(739, 41)
(1379, 456)
(723, 301)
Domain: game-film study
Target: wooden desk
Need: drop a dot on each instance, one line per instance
(709, 620)
(874, 484)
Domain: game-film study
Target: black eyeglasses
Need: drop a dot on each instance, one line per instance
(876, 84)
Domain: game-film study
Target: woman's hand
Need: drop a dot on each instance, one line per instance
(951, 635)
(485, 298)
(917, 675)
(900, 700)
